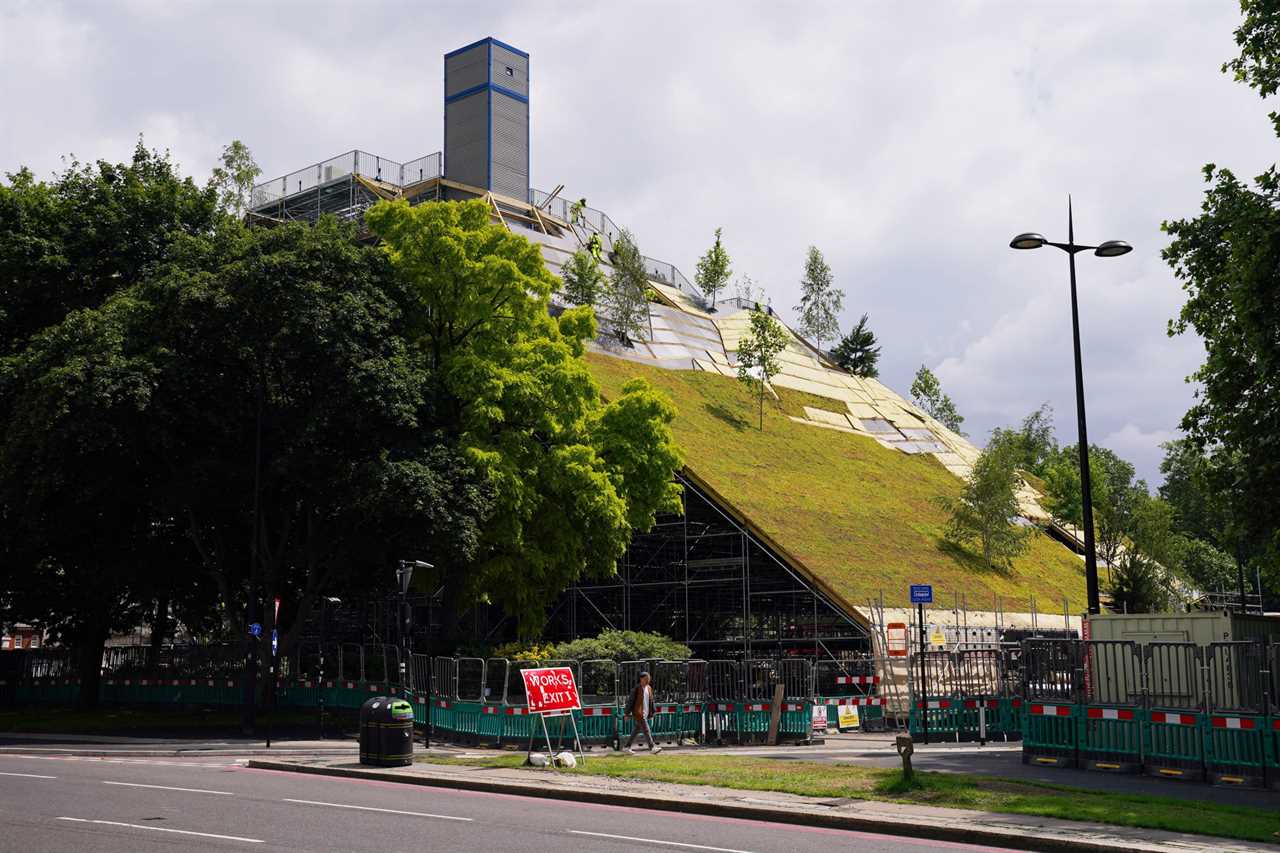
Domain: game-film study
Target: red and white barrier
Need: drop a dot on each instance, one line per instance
(1246, 723)
(1051, 710)
(1109, 713)
(1172, 719)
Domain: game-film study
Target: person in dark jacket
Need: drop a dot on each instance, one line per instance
(641, 707)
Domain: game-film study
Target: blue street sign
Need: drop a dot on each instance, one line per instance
(256, 629)
(275, 642)
(921, 593)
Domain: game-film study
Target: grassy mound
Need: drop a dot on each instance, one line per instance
(859, 517)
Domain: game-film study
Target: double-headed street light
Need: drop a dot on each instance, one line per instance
(1109, 249)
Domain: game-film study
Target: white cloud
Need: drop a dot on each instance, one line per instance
(908, 145)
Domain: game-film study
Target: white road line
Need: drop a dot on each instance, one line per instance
(656, 841)
(164, 829)
(29, 775)
(372, 809)
(168, 788)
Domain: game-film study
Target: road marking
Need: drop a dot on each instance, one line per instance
(372, 809)
(656, 841)
(164, 829)
(29, 775)
(168, 788)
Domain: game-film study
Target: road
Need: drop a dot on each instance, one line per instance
(114, 805)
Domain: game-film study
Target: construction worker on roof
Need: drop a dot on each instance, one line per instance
(593, 245)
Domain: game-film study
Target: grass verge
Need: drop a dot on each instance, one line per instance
(950, 790)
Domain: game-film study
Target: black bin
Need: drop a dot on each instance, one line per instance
(386, 732)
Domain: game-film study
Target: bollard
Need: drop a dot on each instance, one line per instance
(905, 747)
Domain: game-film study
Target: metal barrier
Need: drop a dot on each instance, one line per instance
(1110, 736)
(1237, 736)
(1052, 677)
(849, 684)
(1173, 737)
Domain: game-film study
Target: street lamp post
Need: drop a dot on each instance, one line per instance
(1109, 249)
(404, 573)
(325, 601)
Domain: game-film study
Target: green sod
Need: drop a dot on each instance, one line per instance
(860, 517)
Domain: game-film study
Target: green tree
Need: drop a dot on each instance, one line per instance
(1209, 568)
(583, 279)
(233, 179)
(1033, 445)
(91, 232)
(713, 271)
(625, 297)
(1189, 488)
(1226, 258)
(985, 511)
(758, 352)
(1116, 496)
(74, 387)
(571, 476)
(820, 301)
(927, 393)
(1138, 586)
(858, 352)
(623, 646)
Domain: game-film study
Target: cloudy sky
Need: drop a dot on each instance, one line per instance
(908, 141)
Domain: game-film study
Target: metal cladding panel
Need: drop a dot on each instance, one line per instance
(510, 146)
(466, 140)
(510, 70)
(466, 70)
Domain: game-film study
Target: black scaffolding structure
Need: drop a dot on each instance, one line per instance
(705, 579)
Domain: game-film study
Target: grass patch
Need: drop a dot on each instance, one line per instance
(950, 790)
(134, 721)
(860, 517)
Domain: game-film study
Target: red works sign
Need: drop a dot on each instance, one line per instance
(550, 690)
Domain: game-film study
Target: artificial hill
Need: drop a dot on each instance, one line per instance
(856, 516)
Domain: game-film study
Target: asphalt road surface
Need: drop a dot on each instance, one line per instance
(114, 805)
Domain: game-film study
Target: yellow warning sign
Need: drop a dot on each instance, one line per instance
(848, 717)
(937, 638)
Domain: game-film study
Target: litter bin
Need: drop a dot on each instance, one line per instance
(386, 732)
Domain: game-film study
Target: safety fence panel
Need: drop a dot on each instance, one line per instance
(849, 684)
(1050, 734)
(1173, 733)
(1236, 733)
(1110, 736)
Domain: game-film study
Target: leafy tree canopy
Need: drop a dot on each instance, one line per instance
(820, 301)
(1226, 258)
(713, 270)
(625, 298)
(758, 352)
(985, 511)
(583, 279)
(926, 391)
(570, 475)
(858, 351)
(623, 646)
(234, 176)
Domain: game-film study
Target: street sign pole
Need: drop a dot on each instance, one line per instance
(924, 675)
(922, 594)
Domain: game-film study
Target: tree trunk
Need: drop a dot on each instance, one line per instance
(89, 666)
(159, 629)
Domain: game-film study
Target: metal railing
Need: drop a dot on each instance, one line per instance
(350, 163)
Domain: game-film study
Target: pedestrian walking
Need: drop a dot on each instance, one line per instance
(642, 708)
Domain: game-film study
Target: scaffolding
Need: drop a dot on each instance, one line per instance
(706, 579)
